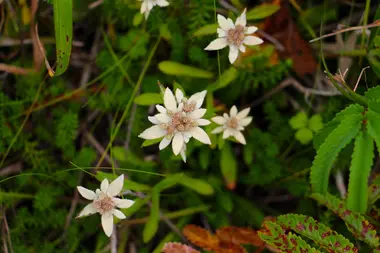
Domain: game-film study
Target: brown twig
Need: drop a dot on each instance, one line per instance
(339, 181)
(7, 232)
(14, 69)
(38, 47)
(10, 42)
(374, 24)
(11, 169)
(91, 139)
(95, 4)
(86, 73)
(360, 76)
(114, 240)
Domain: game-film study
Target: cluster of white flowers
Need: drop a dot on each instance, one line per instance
(178, 121)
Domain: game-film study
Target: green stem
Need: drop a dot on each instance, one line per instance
(365, 22)
(135, 90)
(16, 195)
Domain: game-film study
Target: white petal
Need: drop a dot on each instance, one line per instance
(198, 113)
(160, 108)
(164, 143)
(116, 186)
(183, 155)
(178, 143)
(87, 210)
(143, 7)
(219, 120)
(179, 95)
(198, 98)
(119, 214)
(147, 14)
(242, 19)
(233, 111)
(227, 133)
(224, 23)
(150, 5)
(123, 203)
(225, 115)
(252, 40)
(162, 3)
(239, 137)
(162, 118)
(244, 113)
(104, 185)
(217, 44)
(86, 193)
(199, 134)
(242, 48)
(233, 54)
(221, 32)
(169, 100)
(186, 137)
(217, 130)
(203, 122)
(107, 223)
(153, 132)
(246, 121)
(250, 29)
(153, 120)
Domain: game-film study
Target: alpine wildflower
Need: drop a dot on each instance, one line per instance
(233, 124)
(104, 202)
(234, 35)
(147, 6)
(178, 121)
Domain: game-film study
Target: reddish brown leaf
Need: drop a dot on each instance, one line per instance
(281, 27)
(201, 237)
(176, 247)
(225, 247)
(238, 235)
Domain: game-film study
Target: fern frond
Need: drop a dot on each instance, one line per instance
(361, 164)
(322, 235)
(275, 236)
(355, 222)
(329, 150)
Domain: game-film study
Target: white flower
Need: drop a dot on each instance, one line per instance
(234, 36)
(233, 124)
(104, 202)
(178, 121)
(147, 6)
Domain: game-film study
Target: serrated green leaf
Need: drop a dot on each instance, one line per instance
(206, 30)
(304, 135)
(361, 164)
(320, 136)
(179, 69)
(262, 11)
(149, 99)
(63, 24)
(373, 126)
(227, 77)
(315, 123)
(329, 150)
(355, 222)
(373, 57)
(373, 96)
(322, 235)
(151, 225)
(298, 121)
(228, 165)
(128, 184)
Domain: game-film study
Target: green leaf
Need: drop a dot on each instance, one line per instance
(373, 126)
(315, 123)
(373, 58)
(304, 135)
(298, 121)
(355, 222)
(63, 25)
(206, 30)
(151, 226)
(197, 185)
(147, 143)
(149, 99)
(227, 77)
(374, 190)
(228, 165)
(139, 203)
(373, 96)
(361, 164)
(119, 153)
(128, 184)
(322, 235)
(320, 136)
(262, 11)
(248, 151)
(179, 69)
(137, 18)
(329, 150)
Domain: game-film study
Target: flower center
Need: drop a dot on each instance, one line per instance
(236, 36)
(233, 123)
(179, 123)
(104, 205)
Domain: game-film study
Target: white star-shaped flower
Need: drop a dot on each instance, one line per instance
(105, 203)
(234, 36)
(178, 121)
(147, 6)
(233, 124)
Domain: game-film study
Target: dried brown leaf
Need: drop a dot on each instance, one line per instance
(237, 235)
(225, 247)
(201, 237)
